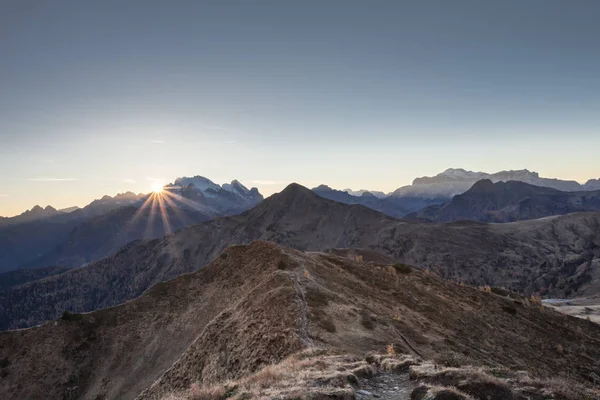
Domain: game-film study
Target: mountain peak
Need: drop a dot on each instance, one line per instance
(201, 183)
(295, 188)
(294, 193)
(322, 188)
(483, 185)
(455, 181)
(236, 187)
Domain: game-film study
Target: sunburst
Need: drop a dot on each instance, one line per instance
(157, 187)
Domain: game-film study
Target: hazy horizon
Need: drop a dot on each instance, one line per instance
(266, 188)
(107, 97)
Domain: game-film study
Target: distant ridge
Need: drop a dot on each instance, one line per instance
(510, 201)
(396, 207)
(455, 181)
(44, 236)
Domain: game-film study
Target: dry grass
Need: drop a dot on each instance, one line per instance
(392, 362)
(319, 373)
(389, 349)
(207, 393)
(403, 268)
(440, 392)
(535, 299)
(452, 359)
(304, 373)
(494, 384)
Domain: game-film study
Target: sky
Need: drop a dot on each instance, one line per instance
(101, 97)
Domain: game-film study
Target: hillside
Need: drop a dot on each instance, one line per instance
(20, 276)
(508, 202)
(103, 235)
(555, 256)
(259, 303)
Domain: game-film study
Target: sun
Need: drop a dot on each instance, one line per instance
(157, 187)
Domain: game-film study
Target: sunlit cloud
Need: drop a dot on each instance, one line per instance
(51, 179)
(3, 195)
(261, 182)
(129, 180)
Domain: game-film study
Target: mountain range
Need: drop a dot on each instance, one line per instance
(456, 181)
(41, 237)
(396, 207)
(510, 201)
(440, 189)
(556, 256)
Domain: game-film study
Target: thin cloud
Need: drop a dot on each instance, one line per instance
(3, 195)
(51, 179)
(128, 180)
(158, 141)
(230, 141)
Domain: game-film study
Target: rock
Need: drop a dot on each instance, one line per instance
(419, 392)
(425, 392)
(352, 379)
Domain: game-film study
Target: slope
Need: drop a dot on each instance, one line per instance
(256, 304)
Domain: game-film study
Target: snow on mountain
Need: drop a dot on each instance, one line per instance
(592, 184)
(236, 187)
(211, 198)
(455, 181)
(201, 183)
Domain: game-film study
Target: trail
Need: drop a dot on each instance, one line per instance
(386, 386)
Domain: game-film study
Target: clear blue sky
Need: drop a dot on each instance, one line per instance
(99, 97)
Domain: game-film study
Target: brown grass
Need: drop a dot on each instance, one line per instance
(389, 349)
(403, 268)
(495, 384)
(309, 372)
(207, 393)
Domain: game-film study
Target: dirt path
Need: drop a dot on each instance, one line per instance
(386, 386)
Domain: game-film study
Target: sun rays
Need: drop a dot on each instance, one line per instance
(164, 205)
(157, 187)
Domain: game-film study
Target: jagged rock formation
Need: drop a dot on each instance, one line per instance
(103, 226)
(456, 181)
